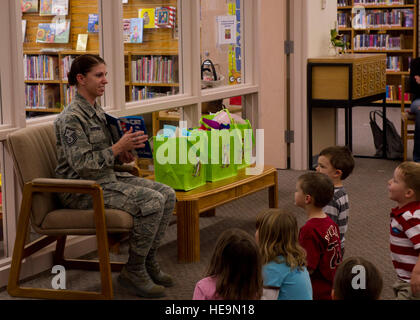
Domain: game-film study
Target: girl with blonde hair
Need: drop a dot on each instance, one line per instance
(284, 260)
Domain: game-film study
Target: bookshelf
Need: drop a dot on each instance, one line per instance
(46, 64)
(151, 67)
(384, 26)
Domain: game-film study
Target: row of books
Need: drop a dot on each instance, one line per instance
(69, 93)
(143, 93)
(344, 19)
(46, 7)
(378, 2)
(393, 92)
(344, 3)
(66, 64)
(153, 69)
(378, 42)
(384, 18)
(393, 63)
(40, 67)
(42, 96)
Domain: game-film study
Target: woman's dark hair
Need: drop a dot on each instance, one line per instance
(236, 264)
(82, 65)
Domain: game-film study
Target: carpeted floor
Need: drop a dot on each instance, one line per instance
(367, 234)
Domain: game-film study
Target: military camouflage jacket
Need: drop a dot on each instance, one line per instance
(84, 143)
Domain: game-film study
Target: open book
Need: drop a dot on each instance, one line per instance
(118, 126)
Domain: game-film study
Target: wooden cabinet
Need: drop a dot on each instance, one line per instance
(382, 26)
(344, 81)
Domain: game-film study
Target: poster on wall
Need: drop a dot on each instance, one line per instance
(226, 30)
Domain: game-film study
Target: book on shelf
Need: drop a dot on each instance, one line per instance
(45, 33)
(126, 30)
(60, 7)
(62, 31)
(148, 16)
(82, 39)
(23, 30)
(165, 17)
(136, 30)
(29, 5)
(45, 8)
(119, 126)
(93, 23)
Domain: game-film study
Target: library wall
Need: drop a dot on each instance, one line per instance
(320, 21)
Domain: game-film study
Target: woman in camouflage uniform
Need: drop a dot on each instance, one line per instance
(86, 151)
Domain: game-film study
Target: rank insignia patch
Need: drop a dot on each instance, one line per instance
(70, 136)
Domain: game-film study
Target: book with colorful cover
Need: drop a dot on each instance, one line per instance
(60, 7)
(29, 5)
(148, 16)
(62, 31)
(136, 30)
(45, 33)
(126, 30)
(93, 23)
(119, 126)
(45, 8)
(165, 17)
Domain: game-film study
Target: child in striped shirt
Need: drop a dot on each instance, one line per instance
(404, 188)
(337, 163)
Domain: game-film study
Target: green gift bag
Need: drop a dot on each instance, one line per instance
(220, 164)
(242, 145)
(177, 161)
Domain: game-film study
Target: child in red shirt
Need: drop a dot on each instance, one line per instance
(320, 236)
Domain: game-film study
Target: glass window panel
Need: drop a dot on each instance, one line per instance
(151, 41)
(221, 43)
(51, 42)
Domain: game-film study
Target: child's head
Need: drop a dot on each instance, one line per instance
(277, 235)
(236, 264)
(314, 188)
(405, 184)
(357, 279)
(336, 162)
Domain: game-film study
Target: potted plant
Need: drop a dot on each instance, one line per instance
(337, 41)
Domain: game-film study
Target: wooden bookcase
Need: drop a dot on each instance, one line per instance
(78, 14)
(157, 42)
(399, 42)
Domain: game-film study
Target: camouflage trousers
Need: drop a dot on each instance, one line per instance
(150, 203)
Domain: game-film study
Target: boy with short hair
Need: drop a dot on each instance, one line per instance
(404, 188)
(320, 235)
(337, 162)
